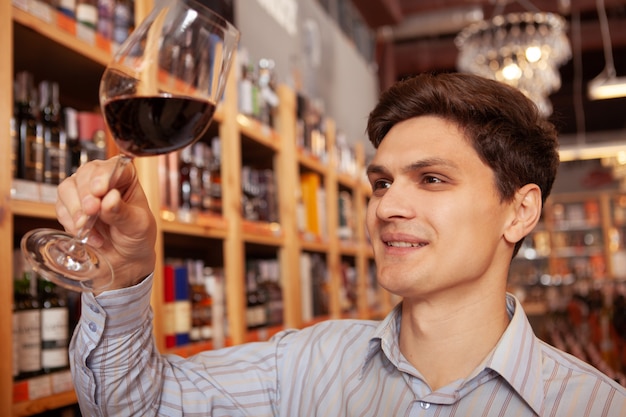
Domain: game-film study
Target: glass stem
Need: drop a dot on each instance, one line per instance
(120, 164)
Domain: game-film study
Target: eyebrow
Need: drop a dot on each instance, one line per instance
(414, 166)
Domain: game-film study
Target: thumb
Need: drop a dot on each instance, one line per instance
(126, 208)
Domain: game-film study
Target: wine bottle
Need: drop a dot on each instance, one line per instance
(28, 320)
(195, 176)
(196, 294)
(54, 137)
(87, 13)
(215, 178)
(256, 314)
(54, 328)
(215, 287)
(16, 335)
(67, 8)
(106, 9)
(246, 85)
(30, 165)
(122, 20)
(252, 302)
(15, 147)
(208, 278)
(270, 283)
(184, 167)
(269, 100)
(73, 141)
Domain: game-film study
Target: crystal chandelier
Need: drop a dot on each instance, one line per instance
(521, 49)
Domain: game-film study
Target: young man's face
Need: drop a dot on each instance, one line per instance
(435, 218)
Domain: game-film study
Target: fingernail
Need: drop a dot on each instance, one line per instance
(82, 219)
(95, 240)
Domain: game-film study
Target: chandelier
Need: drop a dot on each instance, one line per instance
(521, 49)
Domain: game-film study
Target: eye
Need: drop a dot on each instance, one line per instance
(380, 184)
(431, 179)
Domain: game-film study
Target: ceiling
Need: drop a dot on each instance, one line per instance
(416, 36)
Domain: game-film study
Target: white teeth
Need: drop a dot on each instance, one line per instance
(404, 244)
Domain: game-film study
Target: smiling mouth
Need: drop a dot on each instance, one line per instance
(405, 244)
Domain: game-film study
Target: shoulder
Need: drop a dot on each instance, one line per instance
(331, 329)
(328, 336)
(564, 372)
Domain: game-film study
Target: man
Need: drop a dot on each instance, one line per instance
(462, 168)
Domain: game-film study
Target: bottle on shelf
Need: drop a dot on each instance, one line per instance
(185, 166)
(53, 135)
(196, 174)
(67, 8)
(30, 159)
(27, 319)
(213, 178)
(91, 135)
(269, 276)
(268, 99)
(73, 141)
(87, 19)
(256, 312)
(123, 15)
(248, 88)
(106, 9)
(201, 301)
(15, 146)
(54, 327)
(214, 282)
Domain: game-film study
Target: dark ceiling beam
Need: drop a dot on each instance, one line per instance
(422, 6)
(441, 53)
(377, 13)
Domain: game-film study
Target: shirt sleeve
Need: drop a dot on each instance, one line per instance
(118, 370)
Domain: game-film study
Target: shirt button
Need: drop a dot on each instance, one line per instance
(424, 405)
(94, 308)
(92, 326)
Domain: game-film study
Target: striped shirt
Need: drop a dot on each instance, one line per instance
(335, 368)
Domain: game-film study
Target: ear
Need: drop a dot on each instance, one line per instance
(526, 211)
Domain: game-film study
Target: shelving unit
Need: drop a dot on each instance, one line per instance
(52, 53)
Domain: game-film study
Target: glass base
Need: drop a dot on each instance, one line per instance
(59, 257)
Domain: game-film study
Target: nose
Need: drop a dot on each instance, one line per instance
(396, 202)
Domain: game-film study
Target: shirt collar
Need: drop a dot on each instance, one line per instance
(516, 357)
(385, 339)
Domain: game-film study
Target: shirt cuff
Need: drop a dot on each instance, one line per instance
(125, 309)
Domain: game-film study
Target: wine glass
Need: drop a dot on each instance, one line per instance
(158, 95)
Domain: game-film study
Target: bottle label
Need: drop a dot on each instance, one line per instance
(54, 325)
(182, 316)
(54, 358)
(33, 153)
(29, 333)
(55, 156)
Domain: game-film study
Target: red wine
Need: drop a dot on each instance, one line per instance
(153, 125)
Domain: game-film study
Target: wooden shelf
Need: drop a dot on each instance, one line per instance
(28, 408)
(206, 226)
(33, 209)
(54, 33)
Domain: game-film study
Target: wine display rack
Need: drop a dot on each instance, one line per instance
(51, 52)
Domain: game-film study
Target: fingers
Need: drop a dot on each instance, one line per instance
(79, 196)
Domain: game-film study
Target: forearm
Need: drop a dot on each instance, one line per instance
(118, 371)
(115, 365)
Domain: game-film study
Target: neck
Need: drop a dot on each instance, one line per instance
(446, 344)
